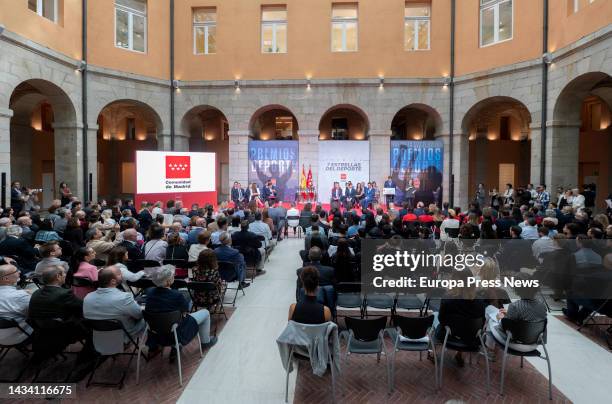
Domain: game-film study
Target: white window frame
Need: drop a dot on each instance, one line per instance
(576, 6)
(39, 10)
(204, 25)
(131, 13)
(344, 21)
(494, 4)
(274, 24)
(415, 21)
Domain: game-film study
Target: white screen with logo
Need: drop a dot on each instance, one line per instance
(160, 172)
(342, 161)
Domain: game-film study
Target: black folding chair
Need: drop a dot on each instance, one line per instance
(108, 339)
(164, 326)
(7, 324)
(464, 335)
(50, 338)
(452, 232)
(80, 282)
(524, 333)
(228, 273)
(141, 285)
(194, 287)
(366, 336)
(348, 296)
(410, 334)
(408, 302)
(98, 262)
(379, 301)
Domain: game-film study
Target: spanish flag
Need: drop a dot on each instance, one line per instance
(309, 179)
(303, 179)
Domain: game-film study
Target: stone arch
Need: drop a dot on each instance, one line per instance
(350, 112)
(429, 120)
(260, 124)
(44, 134)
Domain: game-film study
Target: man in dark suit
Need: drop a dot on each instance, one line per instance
(327, 275)
(389, 184)
(53, 301)
(238, 194)
(504, 224)
(129, 242)
(248, 244)
(16, 246)
(226, 253)
(349, 196)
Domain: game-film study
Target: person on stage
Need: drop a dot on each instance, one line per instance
(254, 193)
(269, 192)
(389, 184)
(359, 193)
(375, 193)
(349, 195)
(368, 197)
(410, 194)
(336, 195)
(238, 194)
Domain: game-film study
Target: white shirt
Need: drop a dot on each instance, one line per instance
(578, 202)
(14, 305)
(156, 211)
(260, 228)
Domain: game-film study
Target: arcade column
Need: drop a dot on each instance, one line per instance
(69, 156)
(380, 156)
(5, 154)
(239, 156)
(562, 153)
(309, 152)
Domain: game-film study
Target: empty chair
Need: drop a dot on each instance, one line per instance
(524, 333)
(414, 334)
(348, 296)
(294, 223)
(194, 287)
(109, 338)
(378, 301)
(408, 302)
(164, 326)
(366, 336)
(464, 335)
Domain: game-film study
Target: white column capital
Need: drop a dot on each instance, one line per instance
(308, 132)
(380, 132)
(238, 133)
(6, 113)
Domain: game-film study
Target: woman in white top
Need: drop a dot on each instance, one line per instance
(196, 249)
(508, 195)
(450, 222)
(254, 192)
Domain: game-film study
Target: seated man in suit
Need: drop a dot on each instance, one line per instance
(238, 194)
(349, 196)
(110, 303)
(13, 305)
(130, 237)
(249, 245)
(226, 253)
(55, 302)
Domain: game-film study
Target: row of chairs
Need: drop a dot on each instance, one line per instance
(416, 334)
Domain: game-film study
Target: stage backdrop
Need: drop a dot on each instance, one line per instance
(421, 161)
(275, 159)
(182, 176)
(342, 161)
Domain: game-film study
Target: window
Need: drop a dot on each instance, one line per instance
(284, 127)
(417, 18)
(44, 8)
(344, 28)
(495, 21)
(204, 31)
(274, 29)
(339, 130)
(131, 25)
(576, 6)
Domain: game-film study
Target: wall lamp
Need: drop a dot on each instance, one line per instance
(81, 66)
(447, 81)
(237, 85)
(176, 84)
(547, 58)
(381, 81)
(308, 83)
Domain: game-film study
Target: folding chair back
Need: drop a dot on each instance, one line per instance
(162, 324)
(452, 233)
(466, 330)
(524, 332)
(413, 327)
(108, 336)
(148, 263)
(83, 282)
(227, 271)
(366, 329)
(7, 324)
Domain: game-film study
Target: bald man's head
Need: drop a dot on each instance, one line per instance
(130, 235)
(9, 275)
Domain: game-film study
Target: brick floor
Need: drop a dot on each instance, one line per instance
(158, 379)
(363, 380)
(596, 333)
